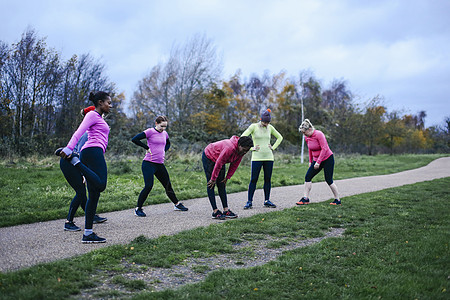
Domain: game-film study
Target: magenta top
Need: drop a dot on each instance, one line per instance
(97, 129)
(222, 152)
(156, 142)
(318, 147)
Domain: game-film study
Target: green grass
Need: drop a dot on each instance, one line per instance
(35, 190)
(394, 247)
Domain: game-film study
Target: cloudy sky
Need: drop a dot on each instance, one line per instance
(399, 49)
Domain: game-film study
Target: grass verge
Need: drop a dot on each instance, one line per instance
(35, 190)
(394, 247)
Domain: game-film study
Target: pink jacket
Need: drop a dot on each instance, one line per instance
(318, 147)
(222, 152)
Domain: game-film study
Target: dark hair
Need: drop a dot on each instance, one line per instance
(96, 97)
(245, 141)
(161, 119)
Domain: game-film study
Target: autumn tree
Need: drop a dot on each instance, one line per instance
(288, 112)
(371, 124)
(338, 103)
(393, 131)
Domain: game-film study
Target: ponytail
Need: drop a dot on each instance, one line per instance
(306, 124)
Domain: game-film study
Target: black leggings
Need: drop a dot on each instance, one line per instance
(75, 179)
(256, 169)
(149, 170)
(93, 167)
(208, 167)
(328, 169)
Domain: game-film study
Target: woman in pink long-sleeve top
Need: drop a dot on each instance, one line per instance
(91, 162)
(320, 157)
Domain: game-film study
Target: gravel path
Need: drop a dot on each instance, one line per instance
(27, 245)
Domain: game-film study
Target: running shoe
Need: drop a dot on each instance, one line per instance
(98, 219)
(180, 207)
(248, 205)
(58, 151)
(267, 203)
(218, 215)
(70, 226)
(229, 214)
(336, 202)
(139, 212)
(303, 201)
(92, 238)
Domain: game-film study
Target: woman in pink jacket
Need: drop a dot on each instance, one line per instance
(320, 157)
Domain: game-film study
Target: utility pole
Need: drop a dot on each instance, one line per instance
(302, 137)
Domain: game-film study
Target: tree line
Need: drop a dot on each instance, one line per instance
(41, 96)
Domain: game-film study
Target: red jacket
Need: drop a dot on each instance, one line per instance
(318, 147)
(222, 152)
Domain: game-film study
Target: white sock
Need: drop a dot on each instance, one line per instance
(88, 232)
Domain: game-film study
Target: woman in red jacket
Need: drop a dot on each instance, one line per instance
(214, 158)
(320, 157)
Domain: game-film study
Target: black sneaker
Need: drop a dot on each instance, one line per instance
(98, 219)
(267, 203)
(218, 215)
(139, 212)
(58, 151)
(180, 207)
(229, 214)
(70, 226)
(336, 202)
(303, 201)
(248, 205)
(92, 238)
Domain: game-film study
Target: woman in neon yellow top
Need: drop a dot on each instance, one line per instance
(262, 156)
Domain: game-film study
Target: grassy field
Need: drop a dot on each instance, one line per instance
(392, 248)
(35, 190)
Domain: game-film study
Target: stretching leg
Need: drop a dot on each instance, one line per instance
(75, 180)
(148, 171)
(163, 177)
(95, 171)
(268, 167)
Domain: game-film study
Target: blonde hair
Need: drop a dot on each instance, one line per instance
(306, 124)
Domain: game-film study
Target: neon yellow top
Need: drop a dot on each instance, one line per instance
(261, 138)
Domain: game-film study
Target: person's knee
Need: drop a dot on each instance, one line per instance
(253, 180)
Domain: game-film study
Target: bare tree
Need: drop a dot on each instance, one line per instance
(177, 87)
(258, 91)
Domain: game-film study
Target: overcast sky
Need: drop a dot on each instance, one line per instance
(399, 49)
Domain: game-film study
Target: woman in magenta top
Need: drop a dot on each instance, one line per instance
(214, 158)
(320, 157)
(153, 164)
(75, 179)
(91, 162)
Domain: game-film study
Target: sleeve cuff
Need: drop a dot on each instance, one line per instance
(67, 151)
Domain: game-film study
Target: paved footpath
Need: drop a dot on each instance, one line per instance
(27, 245)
